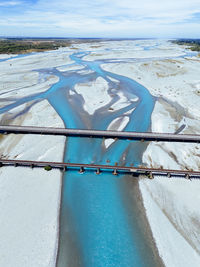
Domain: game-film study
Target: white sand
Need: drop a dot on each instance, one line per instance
(95, 94)
(24, 84)
(29, 198)
(123, 101)
(130, 49)
(117, 124)
(36, 61)
(29, 217)
(5, 56)
(176, 79)
(179, 199)
(70, 68)
(174, 219)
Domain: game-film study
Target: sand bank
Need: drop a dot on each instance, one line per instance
(30, 198)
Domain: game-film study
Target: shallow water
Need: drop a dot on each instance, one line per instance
(94, 216)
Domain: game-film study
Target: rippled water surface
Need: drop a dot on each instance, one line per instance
(96, 223)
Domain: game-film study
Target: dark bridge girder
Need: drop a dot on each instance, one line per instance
(166, 137)
(136, 171)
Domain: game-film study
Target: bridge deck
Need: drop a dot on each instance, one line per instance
(167, 137)
(101, 134)
(150, 172)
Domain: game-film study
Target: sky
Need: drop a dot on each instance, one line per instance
(100, 18)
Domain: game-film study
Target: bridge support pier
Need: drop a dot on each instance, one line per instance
(98, 171)
(187, 176)
(82, 170)
(150, 175)
(64, 169)
(115, 172)
(32, 166)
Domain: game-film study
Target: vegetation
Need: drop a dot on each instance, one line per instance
(48, 168)
(28, 45)
(194, 44)
(21, 46)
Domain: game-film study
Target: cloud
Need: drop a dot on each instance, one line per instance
(10, 3)
(112, 18)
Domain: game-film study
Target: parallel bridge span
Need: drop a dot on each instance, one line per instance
(135, 171)
(150, 172)
(166, 137)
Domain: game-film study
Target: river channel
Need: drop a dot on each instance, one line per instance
(98, 224)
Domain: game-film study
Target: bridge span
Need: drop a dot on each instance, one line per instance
(115, 169)
(136, 171)
(166, 137)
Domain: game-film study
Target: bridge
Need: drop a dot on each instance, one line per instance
(115, 169)
(166, 137)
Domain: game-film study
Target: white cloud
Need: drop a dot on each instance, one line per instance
(102, 17)
(10, 3)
